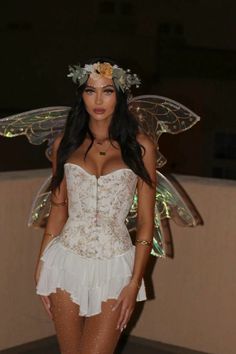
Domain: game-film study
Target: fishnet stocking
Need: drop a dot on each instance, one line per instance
(100, 335)
(68, 324)
(84, 335)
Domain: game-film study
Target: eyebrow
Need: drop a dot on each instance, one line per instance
(94, 87)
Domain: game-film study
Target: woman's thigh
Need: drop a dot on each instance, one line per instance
(100, 335)
(68, 324)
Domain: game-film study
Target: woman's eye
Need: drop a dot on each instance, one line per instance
(109, 91)
(88, 91)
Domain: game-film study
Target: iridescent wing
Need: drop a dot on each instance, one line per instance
(169, 204)
(157, 115)
(38, 125)
(41, 205)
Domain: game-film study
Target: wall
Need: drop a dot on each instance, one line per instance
(22, 315)
(195, 292)
(194, 303)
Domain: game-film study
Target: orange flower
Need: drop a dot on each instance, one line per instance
(105, 70)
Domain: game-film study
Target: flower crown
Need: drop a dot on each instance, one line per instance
(122, 79)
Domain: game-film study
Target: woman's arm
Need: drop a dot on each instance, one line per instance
(145, 213)
(145, 229)
(59, 210)
(56, 220)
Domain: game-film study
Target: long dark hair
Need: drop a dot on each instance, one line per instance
(123, 128)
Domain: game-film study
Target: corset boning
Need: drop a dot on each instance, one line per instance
(97, 209)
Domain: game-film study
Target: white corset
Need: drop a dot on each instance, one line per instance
(98, 207)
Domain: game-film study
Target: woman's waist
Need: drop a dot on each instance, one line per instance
(88, 252)
(96, 217)
(96, 244)
(95, 222)
(95, 239)
(96, 230)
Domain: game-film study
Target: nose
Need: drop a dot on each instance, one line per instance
(98, 98)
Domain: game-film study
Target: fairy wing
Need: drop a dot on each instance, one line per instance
(38, 125)
(158, 115)
(170, 203)
(41, 205)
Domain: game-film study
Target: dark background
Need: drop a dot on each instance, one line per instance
(182, 49)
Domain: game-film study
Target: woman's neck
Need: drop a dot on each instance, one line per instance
(99, 130)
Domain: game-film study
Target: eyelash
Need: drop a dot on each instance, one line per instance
(110, 91)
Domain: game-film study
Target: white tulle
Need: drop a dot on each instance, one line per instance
(89, 281)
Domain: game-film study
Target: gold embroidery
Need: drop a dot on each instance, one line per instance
(97, 210)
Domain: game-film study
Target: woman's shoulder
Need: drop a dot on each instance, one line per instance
(57, 141)
(55, 146)
(146, 141)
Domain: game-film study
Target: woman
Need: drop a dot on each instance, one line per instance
(88, 274)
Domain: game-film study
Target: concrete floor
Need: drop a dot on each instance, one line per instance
(127, 345)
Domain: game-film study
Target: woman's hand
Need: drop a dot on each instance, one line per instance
(45, 299)
(126, 300)
(47, 305)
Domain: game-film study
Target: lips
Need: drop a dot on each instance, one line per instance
(99, 110)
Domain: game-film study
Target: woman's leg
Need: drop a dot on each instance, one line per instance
(68, 324)
(100, 335)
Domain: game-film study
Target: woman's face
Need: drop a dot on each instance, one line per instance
(99, 97)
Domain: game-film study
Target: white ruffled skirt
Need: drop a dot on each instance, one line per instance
(89, 281)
